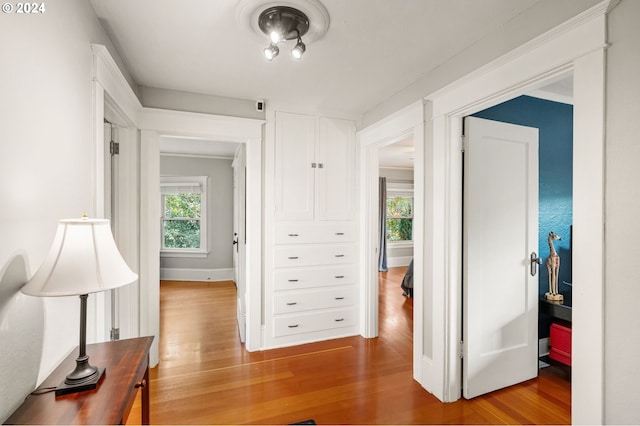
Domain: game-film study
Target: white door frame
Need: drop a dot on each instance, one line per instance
(155, 123)
(114, 99)
(408, 121)
(575, 47)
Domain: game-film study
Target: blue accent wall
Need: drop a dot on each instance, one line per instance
(555, 123)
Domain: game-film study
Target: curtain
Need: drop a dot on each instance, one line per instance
(382, 206)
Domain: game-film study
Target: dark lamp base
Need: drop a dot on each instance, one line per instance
(90, 383)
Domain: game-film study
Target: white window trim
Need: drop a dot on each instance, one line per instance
(400, 244)
(187, 181)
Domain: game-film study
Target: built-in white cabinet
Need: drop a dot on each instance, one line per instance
(311, 274)
(314, 167)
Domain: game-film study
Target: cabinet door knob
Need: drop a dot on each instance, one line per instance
(339, 319)
(293, 281)
(292, 257)
(339, 255)
(293, 326)
(339, 233)
(291, 303)
(340, 298)
(141, 384)
(339, 276)
(293, 235)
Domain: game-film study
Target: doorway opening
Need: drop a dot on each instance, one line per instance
(203, 229)
(396, 207)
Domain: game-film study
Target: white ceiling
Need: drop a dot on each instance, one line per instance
(399, 155)
(372, 49)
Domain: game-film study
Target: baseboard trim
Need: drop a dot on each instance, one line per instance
(184, 274)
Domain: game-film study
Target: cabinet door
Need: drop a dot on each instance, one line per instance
(335, 181)
(294, 175)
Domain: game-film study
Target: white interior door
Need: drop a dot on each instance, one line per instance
(500, 307)
(239, 236)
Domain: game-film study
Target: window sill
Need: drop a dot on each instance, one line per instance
(200, 254)
(400, 244)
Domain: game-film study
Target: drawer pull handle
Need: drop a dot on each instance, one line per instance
(293, 235)
(339, 276)
(291, 303)
(293, 326)
(339, 319)
(293, 281)
(141, 384)
(339, 233)
(292, 257)
(339, 255)
(340, 298)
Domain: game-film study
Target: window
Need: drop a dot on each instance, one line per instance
(184, 202)
(399, 212)
(399, 219)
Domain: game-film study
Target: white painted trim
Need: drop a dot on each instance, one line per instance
(215, 127)
(408, 121)
(195, 254)
(150, 240)
(114, 98)
(211, 157)
(156, 123)
(394, 262)
(577, 46)
(587, 395)
(399, 244)
(106, 71)
(193, 274)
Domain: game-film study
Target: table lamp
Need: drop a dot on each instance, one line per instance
(83, 259)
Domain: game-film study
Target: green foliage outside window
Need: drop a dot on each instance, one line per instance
(399, 219)
(181, 223)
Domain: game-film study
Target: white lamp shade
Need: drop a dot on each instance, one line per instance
(83, 259)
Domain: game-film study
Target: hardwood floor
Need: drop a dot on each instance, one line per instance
(206, 377)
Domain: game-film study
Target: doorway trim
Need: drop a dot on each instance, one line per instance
(406, 122)
(115, 100)
(155, 123)
(578, 47)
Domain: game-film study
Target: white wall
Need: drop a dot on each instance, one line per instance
(622, 276)
(541, 17)
(46, 149)
(153, 97)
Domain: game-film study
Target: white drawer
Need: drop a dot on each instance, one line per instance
(304, 233)
(306, 323)
(334, 297)
(294, 279)
(301, 255)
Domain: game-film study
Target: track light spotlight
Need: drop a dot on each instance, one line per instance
(299, 49)
(271, 51)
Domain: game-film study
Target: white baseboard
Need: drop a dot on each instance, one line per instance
(543, 346)
(393, 262)
(209, 275)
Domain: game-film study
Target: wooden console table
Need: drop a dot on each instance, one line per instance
(127, 369)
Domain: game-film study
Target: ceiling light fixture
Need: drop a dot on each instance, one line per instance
(283, 23)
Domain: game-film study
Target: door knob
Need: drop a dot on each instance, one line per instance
(535, 261)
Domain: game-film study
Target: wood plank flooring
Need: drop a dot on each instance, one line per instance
(205, 376)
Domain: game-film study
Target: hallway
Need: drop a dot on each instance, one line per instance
(206, 377)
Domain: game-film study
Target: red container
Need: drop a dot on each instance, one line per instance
(560, 342)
